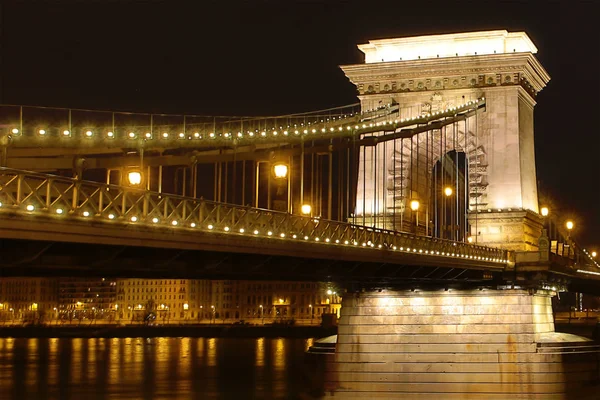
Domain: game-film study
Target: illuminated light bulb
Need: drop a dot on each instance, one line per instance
(86, 214)
(148, 135)
(59, 210)
(294, 236)
(111, 216)
(154, 220)
(317, 239)
(285, 132)
(193, 224)
(251, 134)
(345, 242)
(196, 135)
(15, 131)
(256, 232)
(394, 247)
(327, 240)
(305, 237)
(323, 130)
(174, 223)
(210, 226)
(269, 233)
(212, 135)
(240, 134)
(364, 245)
(275, 133)
(181, 135)
(314, 131)
(226, 135)
(242, 230)
(165, 135)
(226, 229)
(66, 133)
(296, 132)
(263, 133)
(134, 219)
(110, 134)
(282, 235)
(30, 207)
(89, 133)
(132, 135)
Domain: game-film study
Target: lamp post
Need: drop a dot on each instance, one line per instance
(448, 193)
(569, 225)
(306, 209)
(414, 206)
(280, 172)
(262, 314)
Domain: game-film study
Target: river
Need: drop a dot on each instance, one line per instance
(156, 368)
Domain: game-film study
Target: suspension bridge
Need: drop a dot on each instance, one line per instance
(427, 185)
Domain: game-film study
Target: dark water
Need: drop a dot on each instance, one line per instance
(158, 368)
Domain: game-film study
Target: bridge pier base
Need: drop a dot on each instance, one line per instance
(458, 344)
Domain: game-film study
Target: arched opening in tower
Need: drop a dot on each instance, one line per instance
(449, 198)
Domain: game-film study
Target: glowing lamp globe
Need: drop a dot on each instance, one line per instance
(134, 178)
(280, 170)
(414, 205)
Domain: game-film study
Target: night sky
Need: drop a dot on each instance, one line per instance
(277, 57)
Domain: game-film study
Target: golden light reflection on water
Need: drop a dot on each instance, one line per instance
(162, 357)
(91, 358)
(76, 360)
(279, 353)
(212, 352)
(154, 368)
(53, 361)
(114, 360)
(260, 352)
(200, 349)
(32, 355)
(184, 357)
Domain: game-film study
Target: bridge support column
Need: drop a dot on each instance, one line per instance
(458, 344)
(515, 230)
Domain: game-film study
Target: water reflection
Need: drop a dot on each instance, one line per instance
(158, 368)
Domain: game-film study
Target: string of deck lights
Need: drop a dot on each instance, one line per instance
(295, 130)
(174, 223)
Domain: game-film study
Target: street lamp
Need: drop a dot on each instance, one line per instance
(569, 225)
(594, 254)
(448, 192)
(545, 211)
(280, 170)
(414, 206)
(262, 314)
(134, 178)
(306, 209)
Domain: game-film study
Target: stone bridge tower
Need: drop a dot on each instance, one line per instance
(429, 73)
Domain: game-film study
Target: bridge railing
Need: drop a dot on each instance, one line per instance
(35, 194)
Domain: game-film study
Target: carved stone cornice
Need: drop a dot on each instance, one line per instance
(448, 69)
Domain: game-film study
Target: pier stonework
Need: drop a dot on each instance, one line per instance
(427, 74)
(457, 345)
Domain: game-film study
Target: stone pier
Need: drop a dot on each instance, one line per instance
(457, 345)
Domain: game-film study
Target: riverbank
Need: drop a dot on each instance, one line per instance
(99, 331)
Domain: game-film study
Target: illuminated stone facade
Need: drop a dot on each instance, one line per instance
(28, 299)
(471, 344)
(168, 300)
(431, 73)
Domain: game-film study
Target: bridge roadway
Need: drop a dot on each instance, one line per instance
(74, 226)
(40, 207)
